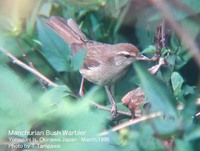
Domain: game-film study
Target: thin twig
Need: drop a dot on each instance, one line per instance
(182, 33)
(131, 122)
(163, 34)
(30, 63)
(197, 114)
(101, 107)
(25, 66)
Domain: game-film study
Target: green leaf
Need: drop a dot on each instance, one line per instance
(10, 43)
(149, 50)
(193, 5)
(156, 91)
(145, 30)
(30, 24)
(46, 8)
(16, 107)
(177, 82)
(166, 72)
(53, 97)
(55, 49)
(72, 115)
(77, 60)
(189, 111)
(160, 98)
(95, 26)
(181, 145)
(114, 9)
(193, 135)
(147, 133)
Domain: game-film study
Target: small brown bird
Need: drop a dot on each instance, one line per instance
(104, 64)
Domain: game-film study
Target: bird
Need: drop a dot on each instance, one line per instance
(104, 64)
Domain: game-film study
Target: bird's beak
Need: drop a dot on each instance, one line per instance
(142, 57)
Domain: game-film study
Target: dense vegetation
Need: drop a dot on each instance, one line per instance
(43, 96)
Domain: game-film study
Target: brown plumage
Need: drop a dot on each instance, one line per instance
(104, 64)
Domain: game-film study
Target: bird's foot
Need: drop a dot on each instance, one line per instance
(114, 110)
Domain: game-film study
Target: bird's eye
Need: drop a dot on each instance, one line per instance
(127, 56)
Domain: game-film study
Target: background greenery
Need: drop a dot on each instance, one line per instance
(28, 103)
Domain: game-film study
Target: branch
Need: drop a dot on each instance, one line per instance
(29, 62)
(101, 107)
(131, 122)
(32, 70)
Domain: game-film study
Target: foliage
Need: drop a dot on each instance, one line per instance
(29, 104)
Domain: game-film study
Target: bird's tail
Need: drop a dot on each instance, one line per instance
(67, 29)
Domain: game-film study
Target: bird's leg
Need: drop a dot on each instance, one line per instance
(81, 89)
(112, 101)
